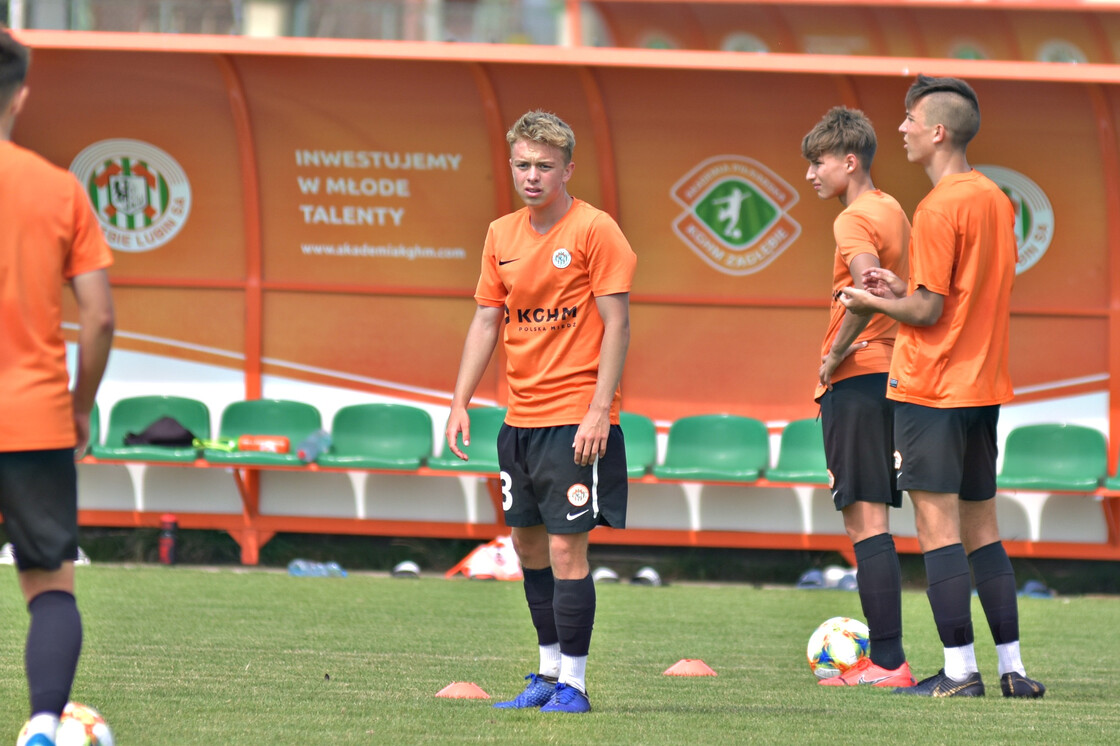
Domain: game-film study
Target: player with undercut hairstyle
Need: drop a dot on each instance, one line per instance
(555, 288)
(858, 419)
(49, 237)
(949, 376)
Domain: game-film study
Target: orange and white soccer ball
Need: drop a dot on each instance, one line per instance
(837, 645)
(80, 725)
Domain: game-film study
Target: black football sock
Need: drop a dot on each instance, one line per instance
(575, 615)
(54, 642)
(995, 585)
(950, 594)
(880, 595)
(539, 592)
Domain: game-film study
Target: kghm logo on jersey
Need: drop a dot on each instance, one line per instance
(1034, 215)
(736, 214)
(140, 193)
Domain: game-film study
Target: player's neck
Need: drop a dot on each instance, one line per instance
(856, 187)
(947, 163)
(543, 219)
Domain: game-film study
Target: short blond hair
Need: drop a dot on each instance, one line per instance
(545, 128)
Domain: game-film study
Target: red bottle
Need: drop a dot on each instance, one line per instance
(169, 526)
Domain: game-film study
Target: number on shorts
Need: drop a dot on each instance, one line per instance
(507, 491)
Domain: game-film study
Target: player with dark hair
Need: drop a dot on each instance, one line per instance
(871, 231)
(555, 286)
(48, 236)
(949, 376)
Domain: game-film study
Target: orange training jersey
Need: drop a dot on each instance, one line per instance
(963, 248)
(553, 332)
(48, 234)
(873, 224)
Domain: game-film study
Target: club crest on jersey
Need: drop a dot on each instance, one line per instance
(1034, 215)
(561, 258)
(578, 495)
(736, 214)
(140, 194)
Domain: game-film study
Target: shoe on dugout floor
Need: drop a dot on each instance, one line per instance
(539, 691)
(1015, 684)
(867, 673)
(567, 699)
(940, 685)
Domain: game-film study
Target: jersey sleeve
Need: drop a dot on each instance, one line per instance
(88, 252)
(610, 260)
(934, 247)
(490, 290)
(855, 235)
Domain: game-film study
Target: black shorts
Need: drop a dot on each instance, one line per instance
(950, 450)
(39, 502)
(542, 483)
(858, 421)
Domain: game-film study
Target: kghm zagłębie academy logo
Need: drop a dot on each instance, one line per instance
(1034, 215)
(736, 213)
(140, 193)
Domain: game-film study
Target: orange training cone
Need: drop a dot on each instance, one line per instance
(462, 690)
(689, 667)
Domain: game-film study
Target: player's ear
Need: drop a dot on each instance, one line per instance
(851, 163)
(568, 169)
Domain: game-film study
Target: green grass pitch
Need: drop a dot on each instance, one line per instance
(187, 655)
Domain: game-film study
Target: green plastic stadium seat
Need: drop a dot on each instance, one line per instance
(1113, 483)
(801, 454)
(94, 426)
(716, 447)
(641, 443)
(483, 450)
(293, 419)
(379, 436)
(135, 414)
(1054, 457)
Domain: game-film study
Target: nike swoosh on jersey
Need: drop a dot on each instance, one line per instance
(573, 516)
(506, 261)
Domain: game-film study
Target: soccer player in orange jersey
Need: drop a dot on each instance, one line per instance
(949, 376)
(554, 287)
(49, 236)
(858, 419)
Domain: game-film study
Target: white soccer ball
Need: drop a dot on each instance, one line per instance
(80, 725)
(837, 645)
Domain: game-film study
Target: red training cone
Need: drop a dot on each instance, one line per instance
(689, 667)
(462, 690)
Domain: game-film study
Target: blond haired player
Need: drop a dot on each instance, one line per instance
(949, 376)
(554, 288)
(871, 231)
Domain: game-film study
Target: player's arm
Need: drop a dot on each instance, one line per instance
(591, 436)
(851, 326)
(921, 308)
(95, 337)
(482, 338)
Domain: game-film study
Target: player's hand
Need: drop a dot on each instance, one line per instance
(857, 301)
(458, 422)
(831, 361)
(591, 437)
(81, 428)
(883, 283)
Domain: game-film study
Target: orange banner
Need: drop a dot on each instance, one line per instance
(331, 201)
